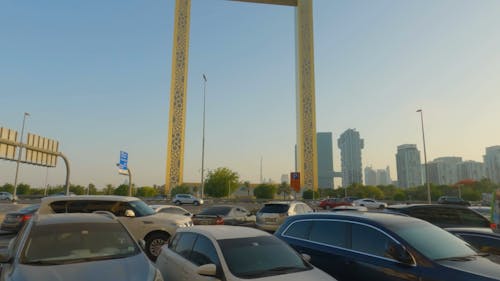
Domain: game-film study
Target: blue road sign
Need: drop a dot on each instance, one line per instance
(123, 160)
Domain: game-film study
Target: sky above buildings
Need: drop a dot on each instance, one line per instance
(95, 75)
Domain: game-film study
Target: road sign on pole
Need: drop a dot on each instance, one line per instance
(123, 164)
(295, 181)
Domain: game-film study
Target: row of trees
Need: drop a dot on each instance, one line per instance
(222, 182)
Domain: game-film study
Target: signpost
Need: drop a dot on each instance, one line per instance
(295, 181)
(123, 169)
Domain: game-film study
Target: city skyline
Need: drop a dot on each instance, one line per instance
(101, 86)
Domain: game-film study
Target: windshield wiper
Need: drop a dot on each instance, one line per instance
(286, 269)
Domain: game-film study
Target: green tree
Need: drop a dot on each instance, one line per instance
(180, 189)
(122, 190)
(309, 194)
(91, 189)
(284, 189)
(246, 184)
(8, 188)
(146, 191)
(221, 182)
(23, 189)
(77, 189)
(265, 191)
(399, 196)
(109, 189)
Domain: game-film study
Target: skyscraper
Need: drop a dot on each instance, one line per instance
(370, 176)
(443, 170)
(350, 145)
(325, 160)
(408, 166)
(470, 170)
(384, 176)
(492, 163)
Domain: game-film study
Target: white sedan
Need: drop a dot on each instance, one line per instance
(370, 203)
(233, 253)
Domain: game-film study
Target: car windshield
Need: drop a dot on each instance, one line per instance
(432, 241)
(213, 211)
(275, 208)
(255, 257)
(141, 209)
(30, 208)
(77, 242)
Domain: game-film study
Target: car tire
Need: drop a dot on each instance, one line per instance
(154, 243)
(196, 203)
(178, 202)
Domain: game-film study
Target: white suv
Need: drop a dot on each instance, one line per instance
(142, 221)
(180, 199)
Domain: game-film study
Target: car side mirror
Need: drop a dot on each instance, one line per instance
(129, 213)
(207, 270)
(399, 253)
(306, 257)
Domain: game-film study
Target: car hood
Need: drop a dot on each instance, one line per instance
(478, 266)
(313, 274)
(135, 268)
(178, 219)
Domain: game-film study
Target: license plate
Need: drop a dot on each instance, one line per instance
(270, 220)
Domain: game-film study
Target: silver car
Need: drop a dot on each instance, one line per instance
(273, 214)
(186, 199)
(231, 253)
(77, 247)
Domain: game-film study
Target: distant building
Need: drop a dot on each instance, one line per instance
(350, 145)
(285, 178)
(370, 176)
(383, 176)
(492, 163)
(470, 170)
(408, 166)
(443, 170)
(325, 159)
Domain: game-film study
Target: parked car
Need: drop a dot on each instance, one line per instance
(180, 199)
(349, 208)
(357, 246)
(83, 247)
(273, 214)
(14, 221)
(445, 216)
(169, 209)
(4, 195)
(144, 223)
(232, 253)
(330, 203)
(483, 239)
(452, 200)
(369, 203)
(224, 214)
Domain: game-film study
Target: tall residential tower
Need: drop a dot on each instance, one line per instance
(350, 145)
(408, 166)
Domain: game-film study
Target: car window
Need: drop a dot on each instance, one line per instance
(472, 219)
(483, 243)
(204, 252)
(369, 240)
(332, 233)
(439, 216)
(185, 244)
(274, 208)
(174, 241)
(299, 229)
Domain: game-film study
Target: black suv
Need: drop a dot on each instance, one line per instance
(446, 216)
(452, 200)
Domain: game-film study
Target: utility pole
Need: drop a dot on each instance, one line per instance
(26, 114)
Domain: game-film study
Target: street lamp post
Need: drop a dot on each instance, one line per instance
(425, 159)
(203, 139)
(26, 114)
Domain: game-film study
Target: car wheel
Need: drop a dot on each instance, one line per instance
(178, 202)
(154, 243)
(196, 203)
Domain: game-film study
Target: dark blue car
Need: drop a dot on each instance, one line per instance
(358, 246)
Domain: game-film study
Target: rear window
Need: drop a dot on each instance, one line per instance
(275, 208)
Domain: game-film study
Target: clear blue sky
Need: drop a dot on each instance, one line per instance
(95, 75)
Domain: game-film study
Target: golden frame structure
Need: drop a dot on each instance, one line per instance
(305, 92)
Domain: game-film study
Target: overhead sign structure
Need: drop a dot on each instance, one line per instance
(8, 151)
(123, 164)
(41, 151)
(295, 181)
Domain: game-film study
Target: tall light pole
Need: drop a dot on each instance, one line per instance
(26, 114)
(203, 138)
(425, 158)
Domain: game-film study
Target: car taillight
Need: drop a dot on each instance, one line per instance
(219, 221)
(25, 217)
(493, 226)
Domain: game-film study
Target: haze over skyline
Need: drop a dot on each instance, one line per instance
(96, 77)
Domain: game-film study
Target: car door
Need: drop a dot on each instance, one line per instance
(369, 259)
(172, 261)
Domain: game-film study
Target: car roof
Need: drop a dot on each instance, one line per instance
(50, 199)
(475, 230)
(408, 206)
(381, 218)
(283, 202)
(48, 219)
(221, 232)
